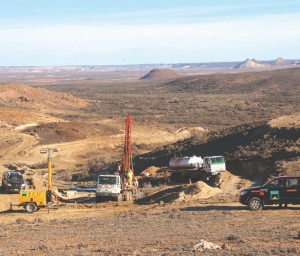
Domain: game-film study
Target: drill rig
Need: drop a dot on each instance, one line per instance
(119, 186)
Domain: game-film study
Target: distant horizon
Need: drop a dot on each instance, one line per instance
(134, 64)
(72, 32)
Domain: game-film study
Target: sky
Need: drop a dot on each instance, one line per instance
(118, 32)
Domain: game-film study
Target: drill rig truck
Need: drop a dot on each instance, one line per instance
(118, 186)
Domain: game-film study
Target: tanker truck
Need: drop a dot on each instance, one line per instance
(195, 168)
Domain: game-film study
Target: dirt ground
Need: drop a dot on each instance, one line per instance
(132, 229)
(171, 220)
(168, 222)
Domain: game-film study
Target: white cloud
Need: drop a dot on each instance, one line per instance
(262, 37)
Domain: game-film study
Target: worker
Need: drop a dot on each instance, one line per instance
(135, 182)
(129, 177)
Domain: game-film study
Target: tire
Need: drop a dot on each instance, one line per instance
(126, 196)
(30, 207)
(180, 177)
(98, 199)
(119, 198)
(254, 204)
(174, 177)
(204, 176)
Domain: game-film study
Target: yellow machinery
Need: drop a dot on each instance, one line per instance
(31, 199)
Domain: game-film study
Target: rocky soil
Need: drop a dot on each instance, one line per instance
(130, 229)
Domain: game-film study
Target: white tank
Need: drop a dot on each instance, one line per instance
(186, 162)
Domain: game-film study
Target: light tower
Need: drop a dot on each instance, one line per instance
(45, 151)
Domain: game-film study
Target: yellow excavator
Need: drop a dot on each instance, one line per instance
(31, 200)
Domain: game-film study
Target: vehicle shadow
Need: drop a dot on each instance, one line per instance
(166, 195)
(236, 208)
(13, 211)
(214, 207)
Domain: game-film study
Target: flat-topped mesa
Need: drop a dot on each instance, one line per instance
(160, 74)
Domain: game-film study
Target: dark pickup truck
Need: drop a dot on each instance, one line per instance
(280, 190)
(13, 182)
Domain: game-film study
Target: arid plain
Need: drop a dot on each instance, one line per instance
(250, 117)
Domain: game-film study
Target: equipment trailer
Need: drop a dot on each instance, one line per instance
(31, 200)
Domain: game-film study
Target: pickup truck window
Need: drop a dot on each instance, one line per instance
(293, 182)
(279, 183)
(15, 177)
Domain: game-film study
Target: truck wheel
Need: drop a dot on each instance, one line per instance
(30, 207)
(204, 176)
(180, 177)
(130, 196)
(98, 199)
(126, 196)
(174, 177)
(254, 204)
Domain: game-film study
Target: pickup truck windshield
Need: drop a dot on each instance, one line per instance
(107, 180)
(15, 177)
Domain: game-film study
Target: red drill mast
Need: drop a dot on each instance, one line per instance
(127, 144)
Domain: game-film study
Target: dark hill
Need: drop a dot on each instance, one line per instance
(160, 74)
(249, 149)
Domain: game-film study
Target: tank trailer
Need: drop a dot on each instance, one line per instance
(195, 168)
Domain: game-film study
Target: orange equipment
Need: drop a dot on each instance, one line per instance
(128, 144)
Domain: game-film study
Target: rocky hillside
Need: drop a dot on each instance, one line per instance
(21, 93)
(280, 62)
(250, 64)
(263, 147)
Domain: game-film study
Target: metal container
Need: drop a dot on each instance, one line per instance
(194, 162)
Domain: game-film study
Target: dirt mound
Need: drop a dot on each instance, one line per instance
(35, 181)
(160, 74)
(198, 190)
(152, 171)
(292, 121)
(60, 132)
(222, 179)
(25, 94)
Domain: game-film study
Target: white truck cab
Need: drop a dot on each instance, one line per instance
(109, 186)
(214, 164)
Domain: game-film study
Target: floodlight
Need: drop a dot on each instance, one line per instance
(56, 150)
(43, 151)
